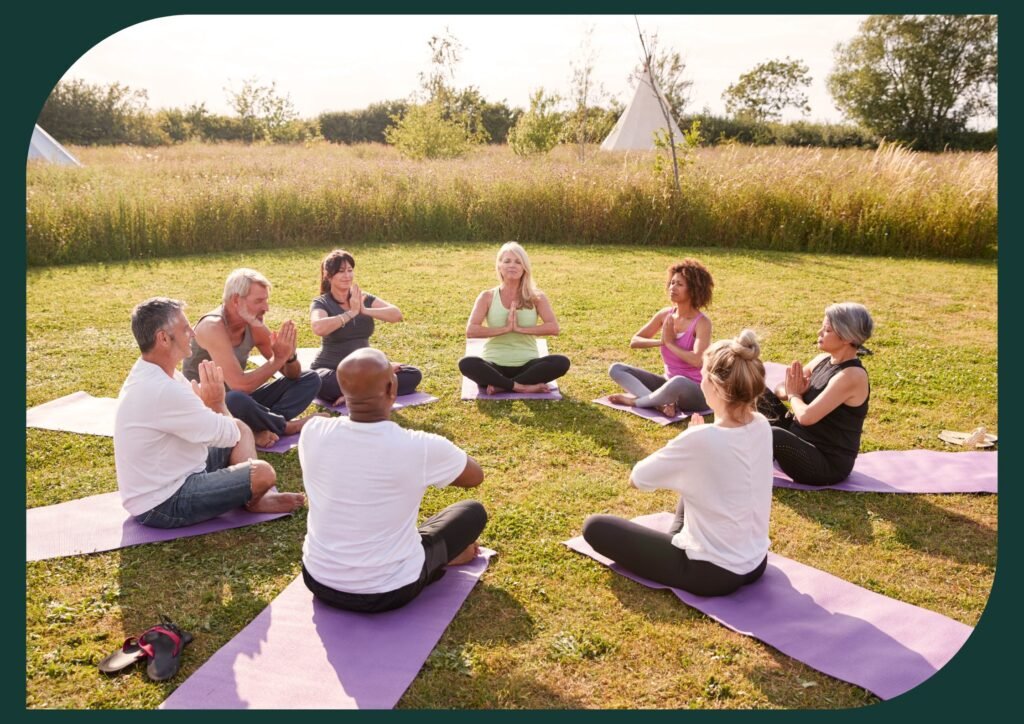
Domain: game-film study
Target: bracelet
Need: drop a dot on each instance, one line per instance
(292, 358)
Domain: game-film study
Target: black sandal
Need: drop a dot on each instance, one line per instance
(163, 644)
(129, 653)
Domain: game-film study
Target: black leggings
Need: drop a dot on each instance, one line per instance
(799, 459)
(444, 536)
(536, 371)
(408, 379)
(650, 553)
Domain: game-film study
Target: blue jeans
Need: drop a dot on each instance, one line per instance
(273, 404)
(204, 495)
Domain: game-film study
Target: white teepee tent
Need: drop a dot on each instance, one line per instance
(642, 117)
(44, 147)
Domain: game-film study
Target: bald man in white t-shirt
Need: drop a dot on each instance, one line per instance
(365, 477)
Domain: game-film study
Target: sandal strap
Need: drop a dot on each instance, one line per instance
(167, 632)
(146, 648)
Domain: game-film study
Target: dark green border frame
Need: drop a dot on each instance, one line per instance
(45, 39)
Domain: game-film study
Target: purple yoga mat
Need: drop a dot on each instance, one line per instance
(87, 415)
(774, 375)
(283, 444)
(470, 390)
(301, 654)
(647, 413)
(411, 400)
(914, 471)
(99, 523)
(306, 355)
(883, 645)
(78, 412)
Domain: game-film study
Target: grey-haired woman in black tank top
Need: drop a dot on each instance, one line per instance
(816, 443)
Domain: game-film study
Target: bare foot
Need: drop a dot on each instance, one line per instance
(265, 438)
(620, 399)
(669, 410)
(293, 426)
(539, 387)
(471, 552)
(492, 390)
(274, 502)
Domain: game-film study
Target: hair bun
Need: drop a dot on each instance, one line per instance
(746, 345)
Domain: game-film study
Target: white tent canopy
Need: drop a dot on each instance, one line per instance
(43, 147)
(643, 116)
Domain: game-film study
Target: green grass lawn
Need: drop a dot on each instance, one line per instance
(545, 627)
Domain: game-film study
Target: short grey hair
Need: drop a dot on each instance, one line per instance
(851, 321)
(152, 315)
(241, 280)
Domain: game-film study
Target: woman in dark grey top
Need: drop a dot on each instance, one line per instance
(817, 442)
(343, 316)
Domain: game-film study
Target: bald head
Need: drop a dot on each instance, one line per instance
(368, 383)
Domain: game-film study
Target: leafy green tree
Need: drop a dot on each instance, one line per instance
(88, 114)
(918, 78)
(264, 113)
(424, 132)
(763, 92)
(449, 118)
(538, 130)
(585, 95)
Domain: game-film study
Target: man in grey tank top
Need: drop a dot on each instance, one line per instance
(228, 333)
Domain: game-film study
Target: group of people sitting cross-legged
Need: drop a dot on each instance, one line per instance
(186, 442)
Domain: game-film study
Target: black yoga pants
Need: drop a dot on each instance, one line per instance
(536, 371)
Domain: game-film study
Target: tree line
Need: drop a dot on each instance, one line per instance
(915, 79)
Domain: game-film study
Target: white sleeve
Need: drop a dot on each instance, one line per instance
(443, 461)
(178, 411)
(667, 468)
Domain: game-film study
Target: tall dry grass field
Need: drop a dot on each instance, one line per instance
(133, 203)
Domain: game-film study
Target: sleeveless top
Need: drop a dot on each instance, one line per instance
(343, 341)
(675, 367)
(190, 366)
(511, 349)
(837, 435)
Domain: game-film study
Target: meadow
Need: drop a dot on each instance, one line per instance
(545, 627)
(131, 203)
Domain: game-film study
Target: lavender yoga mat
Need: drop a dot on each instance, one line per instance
(410, 400)
(647, 413)
(774, 373)
(914, 471)
(301, 654)
(78, 412)
(883, 645)
(470, 390)
(82, 413)
(99, 523)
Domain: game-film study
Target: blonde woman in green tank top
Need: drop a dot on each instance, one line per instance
(510, 317)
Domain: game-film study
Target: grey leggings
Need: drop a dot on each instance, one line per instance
(653, 390)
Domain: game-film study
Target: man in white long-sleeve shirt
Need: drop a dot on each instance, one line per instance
(181, 457)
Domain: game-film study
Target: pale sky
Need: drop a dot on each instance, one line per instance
(345, 62)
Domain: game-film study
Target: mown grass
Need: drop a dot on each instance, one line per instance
(131, 204)
(544, 628)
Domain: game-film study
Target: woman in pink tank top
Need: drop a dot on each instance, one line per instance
(682, 332)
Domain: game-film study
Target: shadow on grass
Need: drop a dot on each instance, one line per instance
(211, 585)
(453, 676)
(917, 523)
(578, 416)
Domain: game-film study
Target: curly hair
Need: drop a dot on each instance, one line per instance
(699, 282)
